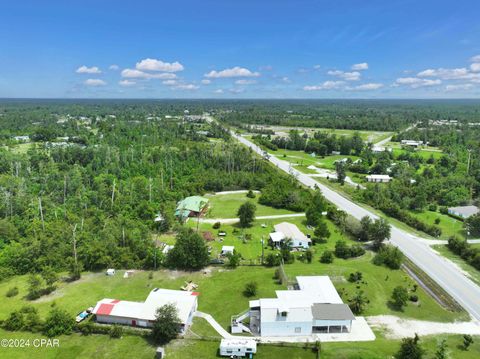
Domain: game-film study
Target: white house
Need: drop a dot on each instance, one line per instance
(315, 307)
(378, 178)
(142, 314)
(464, 211)
(412, 143)
(227, 250)
(237, 347)
(284, 231)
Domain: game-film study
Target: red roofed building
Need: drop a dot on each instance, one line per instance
(142, 314)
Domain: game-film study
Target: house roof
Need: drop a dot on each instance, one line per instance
(324, 311)
(298, 303)
(228, 248)
(192, 203)
(379, 176)
(184, 301)
(291, 231)
(465, 211)
(277, 236)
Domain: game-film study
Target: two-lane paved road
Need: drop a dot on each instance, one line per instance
(445, 273)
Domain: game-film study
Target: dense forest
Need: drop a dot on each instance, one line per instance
(377, 115)
(92, 177)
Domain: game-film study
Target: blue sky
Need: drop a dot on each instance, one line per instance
(240, 49)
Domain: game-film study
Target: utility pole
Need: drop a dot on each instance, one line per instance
(113, 192)
(75, 246)
(41, 212)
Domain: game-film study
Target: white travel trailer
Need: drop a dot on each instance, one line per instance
(238, 347)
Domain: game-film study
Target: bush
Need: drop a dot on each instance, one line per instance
(12, 292)
(327, 257)
(251, 194)
(432, 207)
(399, 297)
(272, 260)
(309, 256)
(414, 298)
(342, 250)
(116, 331)
(216, 225)
(355, 277)
(58, 322)
(390, 256)
(250, 289)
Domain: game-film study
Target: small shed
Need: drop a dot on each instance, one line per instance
(110, 271)
(227, 250)
(238, 347)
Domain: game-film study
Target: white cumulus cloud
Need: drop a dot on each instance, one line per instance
(88, 70)
(415, 82)
(327, 85)
(347, 76)
(126, 83)
(360, 67)
(475, 58)
(95, 82)
(445, 74)
(158, 65)
(206, 81)
(137, 74)
(169, 82)
(232, 72)
(245, 82)
(475, 67)
(218, 91)
(367, 87)
(114, 67)
(189, 87)
(460, 87)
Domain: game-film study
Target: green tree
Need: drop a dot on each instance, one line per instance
(189, 252)
(441, 352)
(467, 341)
(327, 257)
(410, 349)
(166, 325)
(379, 232)
(234, 259)
(358, 302)
(35, 286)
(49, 276)
(250, 289)
(58, 322)
(309, 255)
(321, 232)
(315, 209)
(246, 214)
(341, 173)
(399, 297)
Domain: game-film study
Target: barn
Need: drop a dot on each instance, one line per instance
(142, 314)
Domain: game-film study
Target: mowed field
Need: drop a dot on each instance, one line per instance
(227, 205)
(367, 136)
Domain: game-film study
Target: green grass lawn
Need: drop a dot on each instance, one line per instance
(250, 249)
(302, 159)
(226, 206)
(424, 152)
(472, 271)
(379, 349)
(450, 226)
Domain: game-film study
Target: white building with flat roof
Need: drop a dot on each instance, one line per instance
(378, 178)
(315, 307)
(142, 314)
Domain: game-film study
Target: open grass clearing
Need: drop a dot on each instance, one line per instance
(449, 226)
(227, 205)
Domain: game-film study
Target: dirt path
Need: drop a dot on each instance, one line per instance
(397, 328)
(234, 220)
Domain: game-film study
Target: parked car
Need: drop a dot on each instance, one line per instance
(217, 261)
(82, 316)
